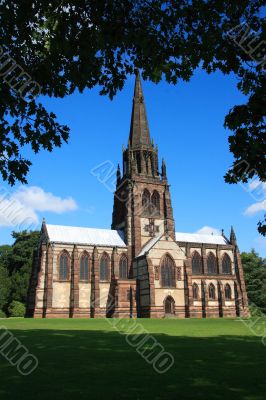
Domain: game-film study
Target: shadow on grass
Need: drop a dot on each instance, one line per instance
(101, 365)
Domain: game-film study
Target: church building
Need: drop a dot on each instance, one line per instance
(141, 267)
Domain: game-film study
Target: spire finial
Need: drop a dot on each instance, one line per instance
(118, 175)
(163, 169)
(232, 236)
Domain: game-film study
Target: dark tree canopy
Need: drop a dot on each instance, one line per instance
(15, 267)
(255, 277)
(73, 45)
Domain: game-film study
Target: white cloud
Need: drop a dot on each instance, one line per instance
(257, 184)
(257, 190)
(36, 198)
(208, 230)
(20, 208)
(255, 208)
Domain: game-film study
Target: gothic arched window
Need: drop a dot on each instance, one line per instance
(146, 198)
(212, 292)
(123, 268)
(196, 263)
(167, 272)
(195, 290)
(211, 264)
(63, 267)
(84, 268)
(104, 264)
(155, 201)
(227, 292)
(226, 264)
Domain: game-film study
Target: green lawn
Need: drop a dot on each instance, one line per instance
(88, 359)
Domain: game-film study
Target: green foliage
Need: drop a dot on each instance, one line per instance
(20, 263)
(255, 277)
(4, 287)
(5, 251)
(16, 309)
(2, 314)
(78, 45)
(15, 267)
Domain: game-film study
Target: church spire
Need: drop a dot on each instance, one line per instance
(139, 129)
(163, 169)
(232, 236)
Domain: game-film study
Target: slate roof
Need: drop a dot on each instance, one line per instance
(88, 236)
(115, 238)
(200, 238)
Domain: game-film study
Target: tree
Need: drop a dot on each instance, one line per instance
(4, 288)
(255, 277)
(20, 263)
(15, 267)
(16, 309)
(65, 46)
(5, 282)
(5, 252)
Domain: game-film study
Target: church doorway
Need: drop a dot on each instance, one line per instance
(169, 305)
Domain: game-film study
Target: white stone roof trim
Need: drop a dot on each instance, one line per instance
(200, 238)
(88, 236)
(147, 247)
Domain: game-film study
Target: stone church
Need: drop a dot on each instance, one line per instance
(140, 267)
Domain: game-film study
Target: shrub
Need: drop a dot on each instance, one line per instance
(2, 314)
(16, 309)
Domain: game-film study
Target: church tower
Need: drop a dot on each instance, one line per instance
(142, 201)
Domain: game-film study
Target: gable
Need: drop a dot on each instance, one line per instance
(160, 245)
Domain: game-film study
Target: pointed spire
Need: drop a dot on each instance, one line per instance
(118, 175)
(232, 236)
(139, 128)
(163, 169)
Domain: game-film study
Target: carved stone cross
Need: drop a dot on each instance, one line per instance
(151, 228)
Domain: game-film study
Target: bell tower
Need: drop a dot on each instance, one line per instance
(142, 201)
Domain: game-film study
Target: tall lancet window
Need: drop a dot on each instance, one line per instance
(104, 264)
(226, 264)
(167, 272)
(63, 267)
(195, 290)
(155, 202)
(227, 292)
(196, 263)
(146, 198)
(211, 264)
(123, 267)
(212, 294)
(84, 268)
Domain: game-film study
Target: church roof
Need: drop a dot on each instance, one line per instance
(200, 238)
(146, 248)
(185, 237)
(88, 236)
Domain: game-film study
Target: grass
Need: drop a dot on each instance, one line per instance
(88, 359)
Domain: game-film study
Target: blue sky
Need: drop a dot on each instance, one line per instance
(186, 121)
